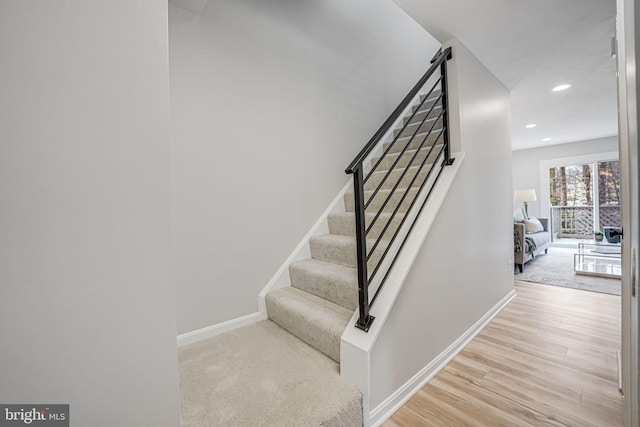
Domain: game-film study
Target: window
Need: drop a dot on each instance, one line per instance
(580, 203)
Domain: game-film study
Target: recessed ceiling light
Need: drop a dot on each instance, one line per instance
(532, 125)
(561, 87)
(546, 139)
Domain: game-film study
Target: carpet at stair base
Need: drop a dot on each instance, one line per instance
(556, 268)
(261, 375)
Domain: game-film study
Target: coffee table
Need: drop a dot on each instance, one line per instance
(598, 259)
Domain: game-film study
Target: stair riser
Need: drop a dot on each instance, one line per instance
(394, 176)
(433, 99)
(339, 290)
(343, 254)
(379, 199)
(388, 161)
(415, 143)
(424, 127)
(421, 114)
(307, 330)
(345, 226)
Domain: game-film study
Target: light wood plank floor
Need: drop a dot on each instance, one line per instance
(547, 359)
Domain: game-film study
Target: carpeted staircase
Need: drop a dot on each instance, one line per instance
(324, 292)
(262, 375)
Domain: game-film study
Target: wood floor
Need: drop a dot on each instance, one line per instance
(547, 359)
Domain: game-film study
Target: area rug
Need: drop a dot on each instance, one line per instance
(556, 268)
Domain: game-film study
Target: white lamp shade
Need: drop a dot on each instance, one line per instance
(525, 195)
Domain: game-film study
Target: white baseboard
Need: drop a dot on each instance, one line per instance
(219, 328)
(389, 406)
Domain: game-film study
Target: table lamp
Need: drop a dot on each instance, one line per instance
(525, 196)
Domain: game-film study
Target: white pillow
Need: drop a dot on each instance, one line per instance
(532, 225)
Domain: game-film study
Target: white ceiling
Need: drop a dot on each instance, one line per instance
(532, 46)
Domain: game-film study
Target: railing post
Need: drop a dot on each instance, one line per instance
(365, 320)
(448, 161)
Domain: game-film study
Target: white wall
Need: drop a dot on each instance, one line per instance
(465, 265)
(526, 165)
(270, 101)
(87, 296)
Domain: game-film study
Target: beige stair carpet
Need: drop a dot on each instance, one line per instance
(323, 294)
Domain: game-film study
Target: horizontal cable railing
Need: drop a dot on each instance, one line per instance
(391, 180)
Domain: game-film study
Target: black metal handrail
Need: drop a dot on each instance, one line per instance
(436, 148)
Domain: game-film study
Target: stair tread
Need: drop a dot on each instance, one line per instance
(334, 238)
(315, 264)
(317, 321)
(315, 307)
(333, 282)
(338, 239)
(410, 151)
(428, 103)
(340, 249)
(420, 134)
(427, 106)
(383, 215)
(343, 223)
(419, 126)
(411, 175)
(414, 124)
(426, 139)
(400, 169)
(383, 191)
